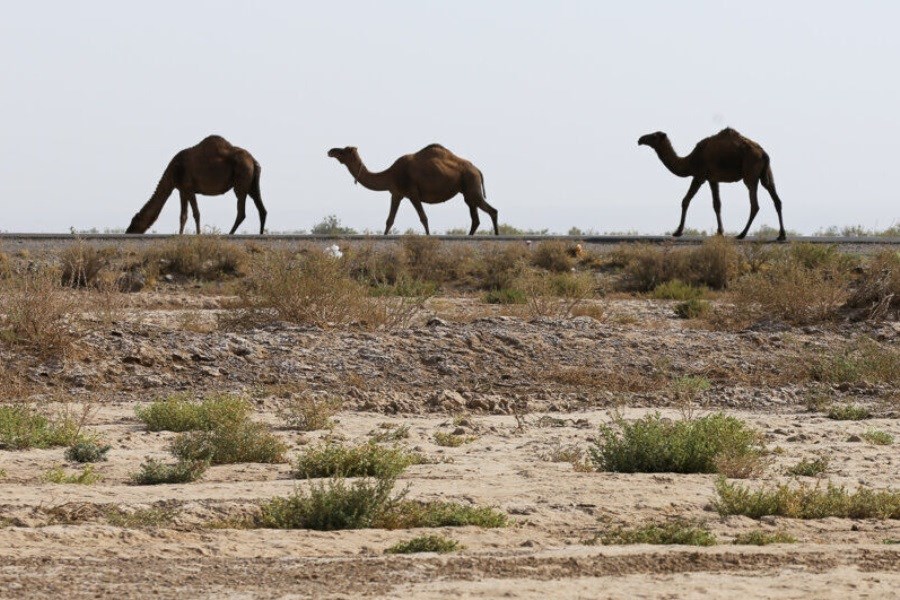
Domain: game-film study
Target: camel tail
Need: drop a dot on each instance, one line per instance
(150, 212)
(254, 185)
(767, 168)
(483, 188)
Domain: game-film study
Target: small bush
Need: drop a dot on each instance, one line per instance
(693, 309)
(331, 225)
(154, 472)
(87, 451)
(179, 413)
(229, 444)
(308, 413)
(556, 295)
(763, 538)
(87, 476)
(81, 264)
(389, 433)
(34, 312)
(409, 514)
(452, 440)
(202, 257)
(863, 361)
(714, 264)
(677, 290)
(500, 266)
(655, 445)
(849, 412)
(141, 518)
(809, 468)
(554, 256)
(22, 427)
(425, 543)
(877, 289)
(364, 460)
(681, 533)
(805, 502)
(878, 438)
(505, 296)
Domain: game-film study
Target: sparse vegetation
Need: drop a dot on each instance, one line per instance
(179, 412)
(34, 314)
(306, 412)
(140, 518)
(862, 361)
(364, 460)
(425, 543)
(878, 438)
(505, 296)
(154, 472)
(714, 264)
(656, 445)
(677, 290)
(849, 412)
(200, 257)
(22, 427)
(331, 225)
(763, 538)
(693, 309)
(554, 256)
(87, 451)
(452, 440)
(230, 443)
(809, 468)
(386, 432)
(806, 502)
(86, 476)
(679, 532)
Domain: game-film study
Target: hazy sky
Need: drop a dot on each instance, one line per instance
(548, 98)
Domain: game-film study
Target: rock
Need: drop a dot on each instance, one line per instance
(447, 400)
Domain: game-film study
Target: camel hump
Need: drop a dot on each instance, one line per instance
(434, 147)
(215, 142)
(730, 132)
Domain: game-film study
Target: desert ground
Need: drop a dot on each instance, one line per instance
(524, 389)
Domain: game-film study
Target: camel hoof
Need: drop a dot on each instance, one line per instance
(740, 236)
(781, 238)
(677, 234)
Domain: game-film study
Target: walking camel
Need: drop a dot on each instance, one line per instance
(430, 176)
(725, 157)
(210, 168)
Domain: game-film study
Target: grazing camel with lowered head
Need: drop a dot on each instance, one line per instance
(430, 176)
(210, 168)
(725, 157)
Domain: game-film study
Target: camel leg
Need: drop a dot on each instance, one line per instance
(422, 216)
(473, 212)
(257, 201)
(395, 204)
(768, 182)
(184, 206)
(717, 205)
(241, 210)
(491, 211)
(752, 185)
(196, 210)
(692, 191)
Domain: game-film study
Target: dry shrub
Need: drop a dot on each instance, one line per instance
(5, 266)
(714, 264)
(877, 291)
(554, 255)
(616, 379)
(555, 295)
(424, 257)
(202, 257)
(377, 267)
(82, 264)
(34, 313)
(500, 266)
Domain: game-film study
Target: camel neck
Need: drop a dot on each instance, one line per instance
(674, 163)
(377, 182)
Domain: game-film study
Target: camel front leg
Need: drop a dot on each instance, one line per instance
(422, 216)
(196, 210)
(473, 212)
(692, 191)
(717, 206)
(183, 220)
(241, 211)
(754, 206)
(392, 214)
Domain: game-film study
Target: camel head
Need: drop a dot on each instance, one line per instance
(653, 139)
(345, 155)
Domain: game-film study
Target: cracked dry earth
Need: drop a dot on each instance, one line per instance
(527, 388)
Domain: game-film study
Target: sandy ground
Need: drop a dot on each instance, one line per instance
(55, 540)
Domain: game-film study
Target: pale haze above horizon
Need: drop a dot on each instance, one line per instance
(548, 99)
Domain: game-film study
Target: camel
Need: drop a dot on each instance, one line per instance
(725, 157)
(210, 168)
(430, 176)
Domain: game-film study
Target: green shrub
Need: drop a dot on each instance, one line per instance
(656, 445)
(364, 460)
(763, 538)
(713, 265)
(505, 296)
(87, 476)
(154, 472)
(809, 468)
(386, 432)
(179, 413)
(849, 412)
(229, 444)
(410, 514)
(863, 361)
(682, 533)
(425, 543)
(309, 413)
(140, 518)
(87, 451)
(692, 309)
(331, 225)
(452, 440)
(878, 438)
(805, 502)
(677, 290)
(22, 427)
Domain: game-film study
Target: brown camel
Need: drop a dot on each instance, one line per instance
(725, 157)
(210, 168)
(430, 176)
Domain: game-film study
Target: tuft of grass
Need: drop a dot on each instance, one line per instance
(878, 438)
(556, 295)
(86, 476)
(763, 538)
(87, 451)
(452, 440)
(656, 445)
(677, 290)
(806, 502)
(692, 309)
(569, 454)
(179, 413)
(386, 432)
(364, 460)
(308, 413)
(367, 503)
(34, 313)
(425, 543)
(863, 361)
(228, 444)
(154, 472)
(81, 264)
(22, 427)
(141, 518)
(679, 532)
(809, 468)
(849, 412)
(505, 296)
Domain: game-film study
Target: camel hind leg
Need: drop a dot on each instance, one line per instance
(256, 195)
(492, 212)
(241, 209)
(753, 186)
(768, 182)
(196, 210)
(717, 206)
